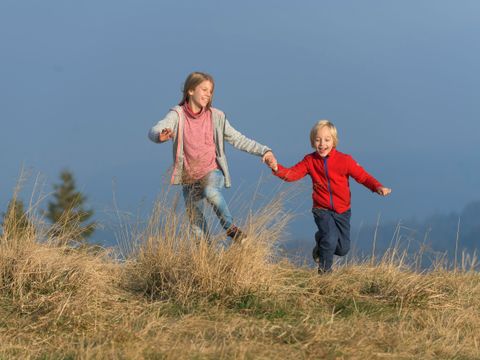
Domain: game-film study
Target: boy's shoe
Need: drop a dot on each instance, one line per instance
(322, 271)
(237, 235)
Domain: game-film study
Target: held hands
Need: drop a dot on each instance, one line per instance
(165, 135)
(269, 159)
(383, 191)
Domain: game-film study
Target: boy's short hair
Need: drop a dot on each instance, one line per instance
(319, 125)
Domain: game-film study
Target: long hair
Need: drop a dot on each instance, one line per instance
(192, 81)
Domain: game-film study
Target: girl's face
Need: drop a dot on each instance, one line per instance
(199, 97)
(323, 141)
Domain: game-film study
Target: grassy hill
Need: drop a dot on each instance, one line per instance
(174, 297)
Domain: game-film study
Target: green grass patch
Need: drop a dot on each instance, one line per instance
(252, 305)
(348, 307)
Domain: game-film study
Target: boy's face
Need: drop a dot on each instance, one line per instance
(323, 141)
(200, 96)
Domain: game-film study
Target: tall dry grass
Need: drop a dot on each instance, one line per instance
(176, 296)
(171, 263)
(50, 293)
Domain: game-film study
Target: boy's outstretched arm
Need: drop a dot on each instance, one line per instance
(384, 191)
(364, 178)
(293, 173)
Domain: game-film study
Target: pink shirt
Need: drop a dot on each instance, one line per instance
(198, 143)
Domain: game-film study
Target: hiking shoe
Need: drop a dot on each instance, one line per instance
(323, 271)
(237, 235)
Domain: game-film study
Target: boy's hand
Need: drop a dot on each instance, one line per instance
(270, 160)
(383, 191)
(165, 135)
(273, 166)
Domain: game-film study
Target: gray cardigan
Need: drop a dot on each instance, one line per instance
(222, 130)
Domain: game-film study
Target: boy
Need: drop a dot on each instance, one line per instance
(330, 171)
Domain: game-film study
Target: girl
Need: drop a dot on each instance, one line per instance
(199, 132)
(330, 171)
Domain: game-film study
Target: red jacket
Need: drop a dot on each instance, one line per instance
(331, 189)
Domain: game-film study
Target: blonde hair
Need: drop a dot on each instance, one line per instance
(192, 81)
(318, 126)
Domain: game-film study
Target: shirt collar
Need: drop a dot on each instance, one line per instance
(190, 112)
(330, 154)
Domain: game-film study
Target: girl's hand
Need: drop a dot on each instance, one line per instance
(270, 160)
(165, 135)
(383, 191)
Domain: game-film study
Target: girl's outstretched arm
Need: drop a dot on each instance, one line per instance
(165, 135)
(241, 142)
(270, 160)
(158, 134)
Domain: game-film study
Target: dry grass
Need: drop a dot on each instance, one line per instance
(170, 264)
(179, 297)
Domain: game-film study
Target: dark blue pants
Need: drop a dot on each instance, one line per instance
(332, 237)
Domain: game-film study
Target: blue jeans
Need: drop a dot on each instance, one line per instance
(207, 188)
(332, 237)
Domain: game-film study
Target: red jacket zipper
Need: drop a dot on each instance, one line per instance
(328, 182)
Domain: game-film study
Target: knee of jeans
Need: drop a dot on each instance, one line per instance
(328, 243)
(216, 179)
(342, 252)
(212, 194)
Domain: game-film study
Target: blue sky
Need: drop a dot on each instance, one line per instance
(82, 82)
